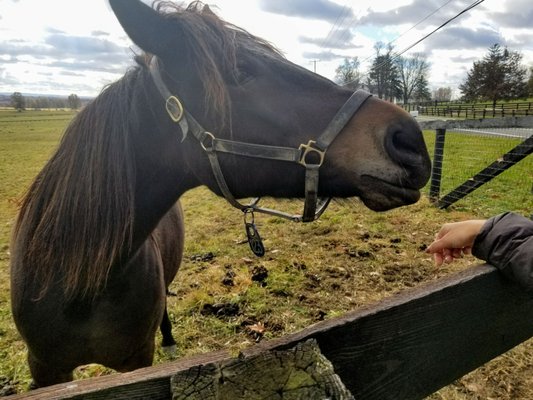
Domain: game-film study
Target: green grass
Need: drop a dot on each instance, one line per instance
(26, 141)
(349, 258)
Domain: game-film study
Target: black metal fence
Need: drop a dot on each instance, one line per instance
(464, 159)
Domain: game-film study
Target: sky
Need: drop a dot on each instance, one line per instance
(77, 46)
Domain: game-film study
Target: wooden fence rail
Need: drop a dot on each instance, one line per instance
(474, 110)
(405, 347)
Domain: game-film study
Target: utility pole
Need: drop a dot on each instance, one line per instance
(314, 65)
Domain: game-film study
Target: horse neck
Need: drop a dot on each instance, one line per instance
(162, 175)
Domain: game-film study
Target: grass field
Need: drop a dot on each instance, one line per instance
(226, 298)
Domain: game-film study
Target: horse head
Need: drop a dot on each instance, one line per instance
(239, 89)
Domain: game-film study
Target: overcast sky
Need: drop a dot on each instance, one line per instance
(77, 46)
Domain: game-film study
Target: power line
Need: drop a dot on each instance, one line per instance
(338, 22)
(419, 22)
(397, 55)
(470, 7)
(414, 26)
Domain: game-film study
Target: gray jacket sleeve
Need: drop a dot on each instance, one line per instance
(506, 242)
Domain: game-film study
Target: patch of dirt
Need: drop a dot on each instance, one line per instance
(259, 274)
(221, 310)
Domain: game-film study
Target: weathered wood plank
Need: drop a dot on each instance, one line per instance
(146, 383)
(301, 372)
(416, 342)
(406, 346)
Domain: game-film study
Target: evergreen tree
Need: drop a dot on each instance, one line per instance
(421, 91)
(499, 75)
(383, 77)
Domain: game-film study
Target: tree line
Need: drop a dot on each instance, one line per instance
(20, 102)
(499, 75)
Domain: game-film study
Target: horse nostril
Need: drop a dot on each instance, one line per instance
(405, 146)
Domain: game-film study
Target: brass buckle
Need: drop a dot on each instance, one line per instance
(307, 149)
(174, 108)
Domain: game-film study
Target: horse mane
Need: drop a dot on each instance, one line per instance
(77, 215)
(76, 219)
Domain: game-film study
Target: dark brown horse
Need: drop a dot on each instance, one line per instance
(99, 236)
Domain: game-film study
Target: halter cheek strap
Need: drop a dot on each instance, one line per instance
(310, 155)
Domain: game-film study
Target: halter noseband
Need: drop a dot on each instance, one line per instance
(310, 155)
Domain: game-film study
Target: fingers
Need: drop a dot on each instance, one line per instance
(449, 255)
(437, 257)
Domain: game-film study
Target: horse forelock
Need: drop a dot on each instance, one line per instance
(76, 219)
(212, 49)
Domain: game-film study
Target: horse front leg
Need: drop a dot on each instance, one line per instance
(168, 343)
(45, 374)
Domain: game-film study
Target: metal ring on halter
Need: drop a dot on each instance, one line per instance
(210, 136)
(246, 212)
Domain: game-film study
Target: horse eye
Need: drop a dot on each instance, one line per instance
(242, 75)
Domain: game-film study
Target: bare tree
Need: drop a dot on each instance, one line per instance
(412, 72)
(74, 101)
(347, 74)
(18, 102)
(530, 82)
(442, 94)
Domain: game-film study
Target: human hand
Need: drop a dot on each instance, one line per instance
(454, 239)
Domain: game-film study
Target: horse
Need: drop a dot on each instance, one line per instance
(99, 235)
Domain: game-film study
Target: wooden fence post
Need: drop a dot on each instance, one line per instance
(436, 170)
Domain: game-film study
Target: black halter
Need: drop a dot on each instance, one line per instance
(310, 155)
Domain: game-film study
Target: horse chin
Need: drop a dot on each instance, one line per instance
(380, 195)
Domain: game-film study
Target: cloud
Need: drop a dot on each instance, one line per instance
(82, 45)
(62, 46)
(99, 33)
(518, 14)
(464, 59)
(13, 48)
(88, 65)
(457, 38)
(520, 40)
(322, 55)
(340, 38)
(54, 31)
(72, 56)
(413, 13)
(314, 9)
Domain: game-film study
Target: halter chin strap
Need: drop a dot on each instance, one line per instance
(310, 155)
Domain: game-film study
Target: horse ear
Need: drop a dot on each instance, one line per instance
(207, 10)
(146, 27)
